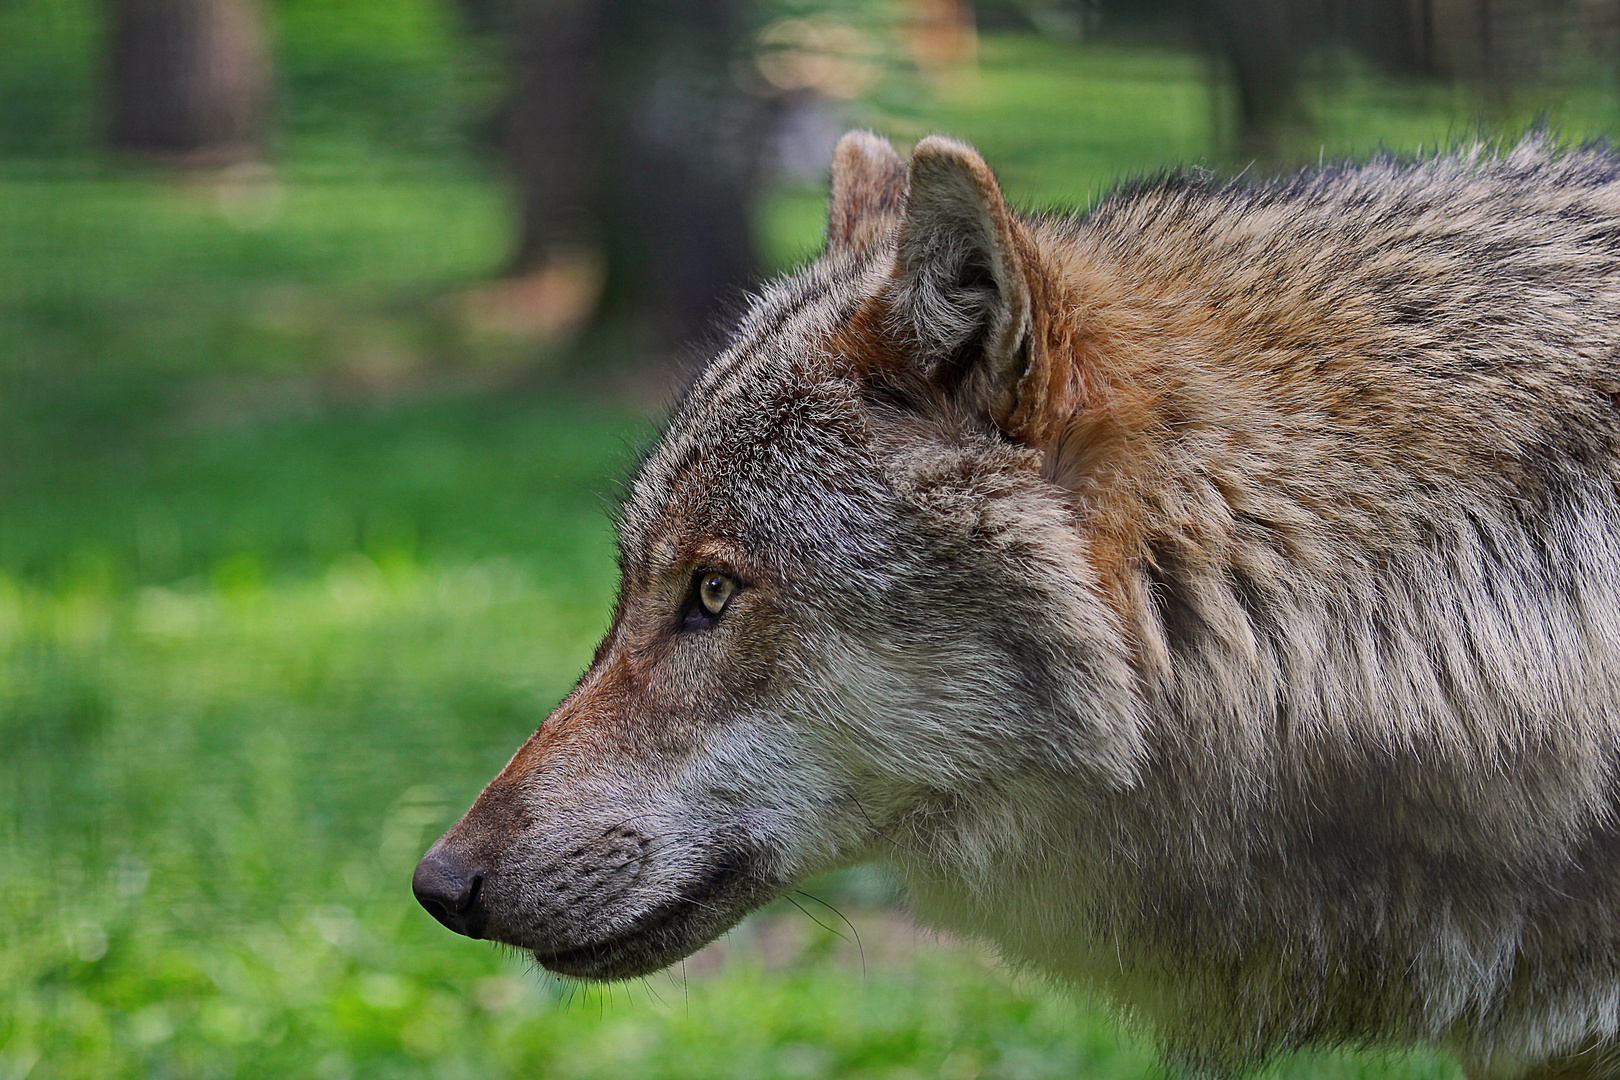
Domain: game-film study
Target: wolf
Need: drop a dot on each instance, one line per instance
(1211, 599)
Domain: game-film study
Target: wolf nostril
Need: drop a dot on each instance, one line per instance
(470, 898)
(450, 893)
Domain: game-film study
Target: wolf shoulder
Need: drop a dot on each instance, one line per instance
(1385, 347)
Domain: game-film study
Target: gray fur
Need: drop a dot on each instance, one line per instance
(1267, 685)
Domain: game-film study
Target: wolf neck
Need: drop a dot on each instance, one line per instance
(1311, 690)
(1121, 398)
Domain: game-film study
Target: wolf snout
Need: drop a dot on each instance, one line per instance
(450, 891)
(548, 890)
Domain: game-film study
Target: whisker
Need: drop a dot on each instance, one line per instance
(859, 948)
(892, 841)
(652, 991)
(813, 919)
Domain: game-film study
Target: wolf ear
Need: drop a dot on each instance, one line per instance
(960, 289)
(868, 192)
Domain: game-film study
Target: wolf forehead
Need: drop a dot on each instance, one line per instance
(771, 446)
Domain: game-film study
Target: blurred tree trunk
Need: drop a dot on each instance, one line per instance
(635, 159)
(188, 80)
(1260, 41)
(550, 128)
(686, 166)
(1267, 45)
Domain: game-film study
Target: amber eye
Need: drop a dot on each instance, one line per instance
(714, 590)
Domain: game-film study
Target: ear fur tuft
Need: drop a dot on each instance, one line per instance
(961, 294)
(868, 193)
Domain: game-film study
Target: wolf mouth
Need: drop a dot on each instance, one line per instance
(666, 933)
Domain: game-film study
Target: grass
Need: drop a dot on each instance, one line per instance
(274, 603)
(118, 293)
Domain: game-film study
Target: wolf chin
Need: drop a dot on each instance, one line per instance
(1212, 599)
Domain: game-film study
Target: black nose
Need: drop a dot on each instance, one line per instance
(450, 892)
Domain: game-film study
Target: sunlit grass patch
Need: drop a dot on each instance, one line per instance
(217, 795)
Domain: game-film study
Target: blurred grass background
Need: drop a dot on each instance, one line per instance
(293, 554)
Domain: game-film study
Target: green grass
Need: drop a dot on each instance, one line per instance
(117, 293)
(275, 600)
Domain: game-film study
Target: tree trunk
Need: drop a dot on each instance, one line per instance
(551, 128)
(188, 79)
(626, 135)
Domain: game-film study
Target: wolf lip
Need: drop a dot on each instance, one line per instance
(593, 959)
(593, 954)
(664, 934)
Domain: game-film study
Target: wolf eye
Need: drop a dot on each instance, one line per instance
(714, 590)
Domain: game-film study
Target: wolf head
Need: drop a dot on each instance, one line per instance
(855, 614)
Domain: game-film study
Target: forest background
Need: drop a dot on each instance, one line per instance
(328, 329)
